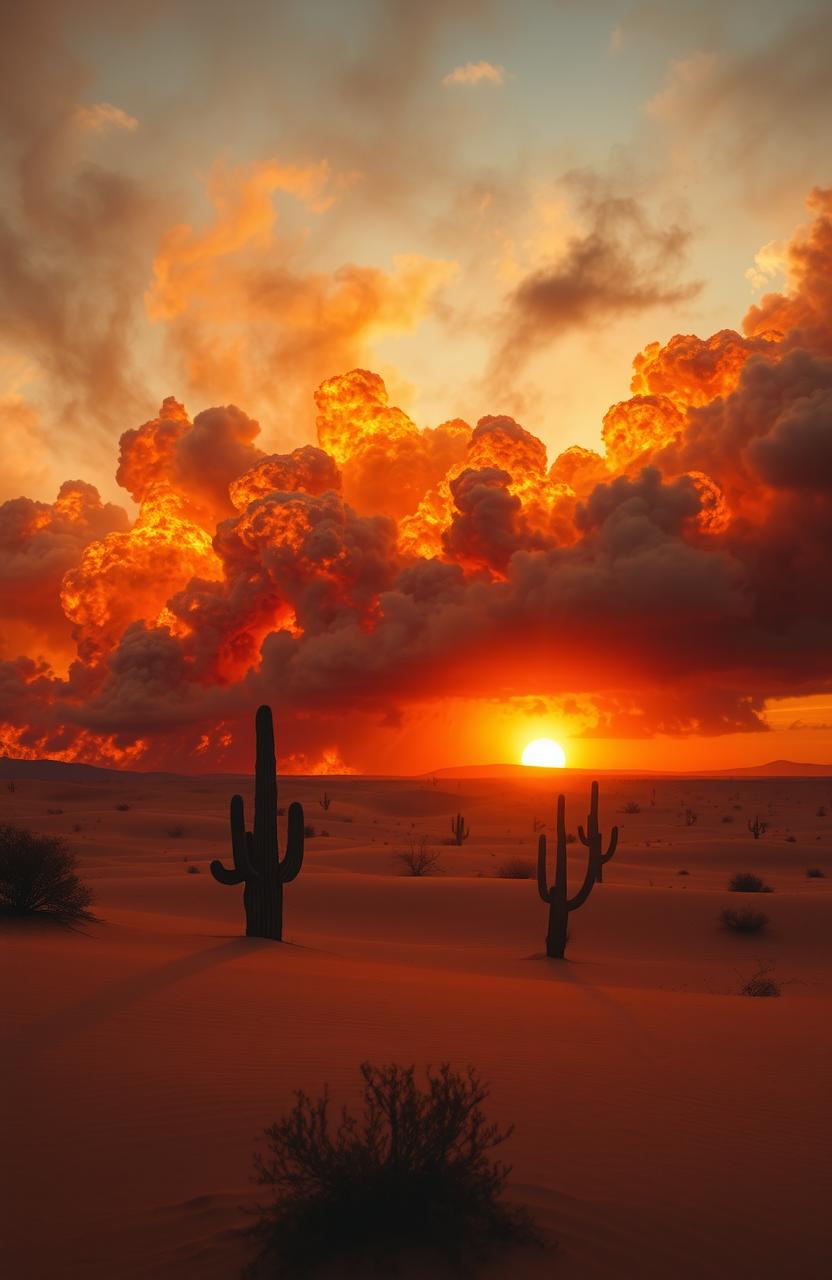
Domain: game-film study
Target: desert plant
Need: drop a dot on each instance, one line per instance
(690, 817)
(193, 869)
(411, 1178)
(459, 831)
(592, 837)
(760, 984)
(325, 801)
(257, 862)
(176, 832)
(683, 872)
(54, 812)
(123, 807)
(744, 920)
(632, 806)
(418, 859)
(537, 825)
(555, 895)
(815, 873)
(37, 878)
(11, 787)
(515, 869)
(821, 813)
(746, 882)
(757, 828)
(308, 830)
(727, 817)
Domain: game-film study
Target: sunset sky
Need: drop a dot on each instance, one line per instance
(304, 308)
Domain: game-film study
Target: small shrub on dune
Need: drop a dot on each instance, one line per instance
(744, 920)
(309, 831)
(516, 869)
(760, 984)
(745, 882)
(176, 832)
(410, 1178)
(419, 859)
(193, 869)
(122, 808)
(37, 879)
(815, 873)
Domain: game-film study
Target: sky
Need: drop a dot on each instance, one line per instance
(446, 375)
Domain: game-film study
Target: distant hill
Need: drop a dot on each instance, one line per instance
(59, 771)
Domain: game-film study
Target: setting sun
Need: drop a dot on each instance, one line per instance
(545, 754)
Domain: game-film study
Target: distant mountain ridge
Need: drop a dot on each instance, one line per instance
(61, 771)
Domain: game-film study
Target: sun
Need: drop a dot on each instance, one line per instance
(544, 753)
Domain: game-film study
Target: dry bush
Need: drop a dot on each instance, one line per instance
(516, 869)
(760, 984)
(411, 1178)
(123, 807)
(632, 806)
(743, 920)
(37, 878)
(418, 859)
(745, 882)
(176, 832)
(815, 873)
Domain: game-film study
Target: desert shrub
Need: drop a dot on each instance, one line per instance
(418, 859)
(122, 808)
(727, 817)
(309, 831)
(760, 984)
(815, 873)
(743, 920)
(76, 827)
(193, 869)
(632, 806)
(791, 839)
(37, 878)
(690, 817)
(745, 882)
(176, 832)
(571, 838)
(821, 813)
(411, 1177)
(54, 812)
(683, 872)
(516, 869)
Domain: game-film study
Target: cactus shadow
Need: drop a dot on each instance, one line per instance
(118, 996)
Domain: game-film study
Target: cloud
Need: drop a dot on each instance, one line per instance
(618, 264)
(474, 73)
(103, 116)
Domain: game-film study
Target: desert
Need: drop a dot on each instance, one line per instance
(661, 1125)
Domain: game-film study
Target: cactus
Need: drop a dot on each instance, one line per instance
(257, 864)
(559, 904)
(325, 801)
(757, 828)
(459, 830)
(592, 837)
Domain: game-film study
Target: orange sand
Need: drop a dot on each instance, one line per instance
(664, 1126)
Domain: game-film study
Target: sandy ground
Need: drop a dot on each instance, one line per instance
(665, 1126)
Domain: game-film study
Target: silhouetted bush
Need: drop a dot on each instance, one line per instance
(410, 1178)
(176, 832)
(745, 882)
(632, 806)
(821, 813)
(815, 873)
(193, 869)
(727, 817)
(419, 859)
(683, 872)
(122, 808)
(760, 984)
(309, 831)
(745, 920)
(516, 869)
(37, 878)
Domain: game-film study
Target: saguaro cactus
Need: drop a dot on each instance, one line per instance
(592, 837)
(257, 863)
(458, 829)
(559, 904)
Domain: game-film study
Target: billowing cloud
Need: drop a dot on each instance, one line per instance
(671, 583)
(474, 73)
(102, 116)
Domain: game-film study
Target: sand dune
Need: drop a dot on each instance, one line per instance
(665, 1126)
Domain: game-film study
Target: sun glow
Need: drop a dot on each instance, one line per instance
(545, 754)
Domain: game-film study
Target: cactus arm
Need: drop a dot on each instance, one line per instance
(240, 849)
(613, 845)
(585, 890)
(582, 836)
(223, 875)
(542, 886)
(293, 859)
